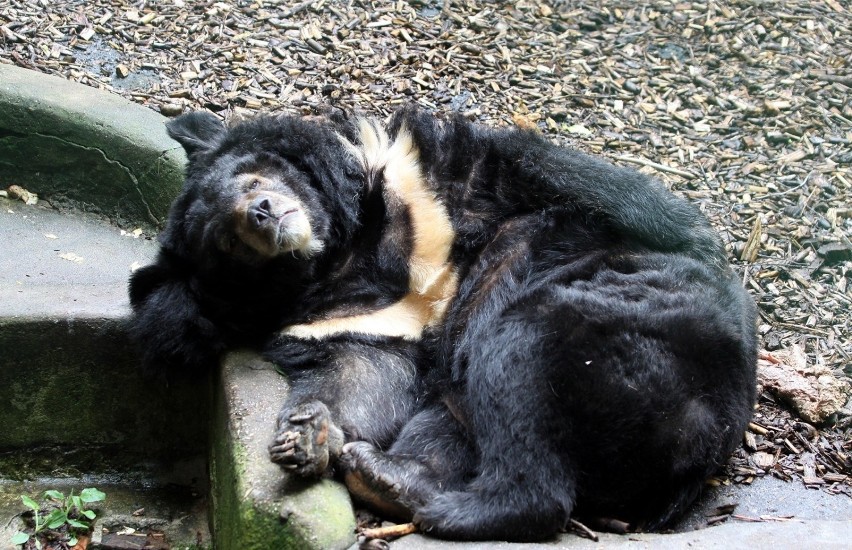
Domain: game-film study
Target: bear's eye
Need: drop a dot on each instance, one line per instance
(254, 183)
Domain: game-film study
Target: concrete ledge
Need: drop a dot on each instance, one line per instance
(823, 535)
(256, 506)
(87, 149)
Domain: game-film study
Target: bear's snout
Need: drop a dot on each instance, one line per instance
(259, 213)
(262, 210)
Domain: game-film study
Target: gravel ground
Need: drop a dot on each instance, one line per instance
(742, 106)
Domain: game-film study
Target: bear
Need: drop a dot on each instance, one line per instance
(486, 333)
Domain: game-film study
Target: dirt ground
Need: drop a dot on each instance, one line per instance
(742, 106)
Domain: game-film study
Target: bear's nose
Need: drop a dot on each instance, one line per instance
(259, 213)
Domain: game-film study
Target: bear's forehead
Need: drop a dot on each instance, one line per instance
(250, 157)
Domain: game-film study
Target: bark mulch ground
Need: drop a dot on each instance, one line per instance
(745, 107)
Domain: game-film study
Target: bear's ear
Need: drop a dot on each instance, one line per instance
(196, 131)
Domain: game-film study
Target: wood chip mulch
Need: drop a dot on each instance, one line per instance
(744, 107)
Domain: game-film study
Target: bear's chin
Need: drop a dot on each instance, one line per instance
(293, 235)
(293, 238)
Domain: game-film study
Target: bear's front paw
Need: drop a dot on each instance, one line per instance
(306, 440)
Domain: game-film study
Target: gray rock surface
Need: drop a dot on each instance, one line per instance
(82, 148)
(55, 266)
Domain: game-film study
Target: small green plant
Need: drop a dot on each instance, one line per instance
(69, 512)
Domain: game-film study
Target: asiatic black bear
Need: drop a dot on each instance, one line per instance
(504, 332)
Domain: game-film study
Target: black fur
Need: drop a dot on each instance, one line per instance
(597, 358)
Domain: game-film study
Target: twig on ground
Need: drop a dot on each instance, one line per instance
(588, 533)
(657, 166)
(298, 8)
(390, 531)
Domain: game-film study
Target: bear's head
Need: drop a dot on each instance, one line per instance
(261, 190)
(267, 206)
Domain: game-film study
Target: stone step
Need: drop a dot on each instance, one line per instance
(85, 149)
(74, 410)
(67, 371)
(58, 267)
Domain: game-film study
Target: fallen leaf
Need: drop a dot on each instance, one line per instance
(524, 122)
(579, 129)
(71, 257)
(702, 127)
(837, 252)
(811, 389)
(794, 156)
(763, 460)
(18, 192)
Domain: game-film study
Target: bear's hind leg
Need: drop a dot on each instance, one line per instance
(525, 483)
(523, 491)
(432, 454)
(516, 513)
